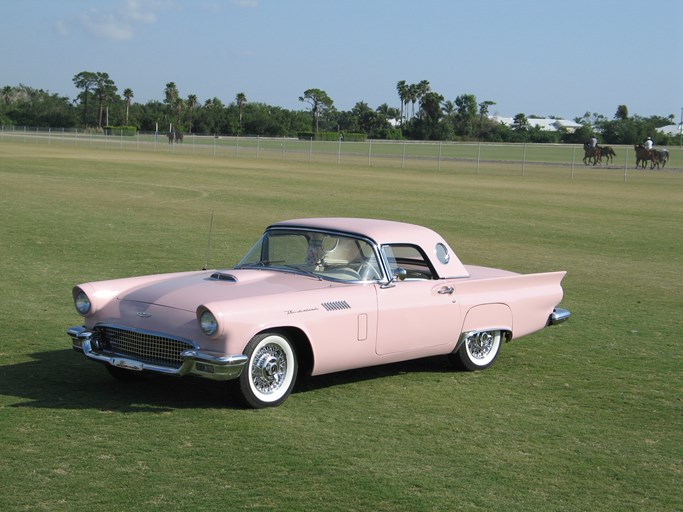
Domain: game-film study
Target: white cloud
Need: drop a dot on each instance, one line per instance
(133, 9)
(106, 25)
(119, 24)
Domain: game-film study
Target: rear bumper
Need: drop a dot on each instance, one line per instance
(194, 362)
(558, 316)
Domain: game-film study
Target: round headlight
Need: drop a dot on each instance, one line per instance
(82, 303)
(208, 323)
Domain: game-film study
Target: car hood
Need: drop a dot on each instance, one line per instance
(186, 291)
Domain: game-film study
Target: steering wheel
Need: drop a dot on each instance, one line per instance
(367, 272)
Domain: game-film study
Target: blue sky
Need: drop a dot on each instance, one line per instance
(538, 57)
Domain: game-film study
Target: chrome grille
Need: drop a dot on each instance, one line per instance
(143, 346)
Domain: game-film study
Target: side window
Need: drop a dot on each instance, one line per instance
(409, 258)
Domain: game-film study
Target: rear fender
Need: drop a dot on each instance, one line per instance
(489, 317)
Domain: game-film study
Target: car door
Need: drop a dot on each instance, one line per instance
(418, 313)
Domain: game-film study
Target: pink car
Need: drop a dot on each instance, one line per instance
(313, 296)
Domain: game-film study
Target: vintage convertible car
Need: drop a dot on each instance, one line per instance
(313, 296)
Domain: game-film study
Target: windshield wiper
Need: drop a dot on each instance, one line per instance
(260, 264)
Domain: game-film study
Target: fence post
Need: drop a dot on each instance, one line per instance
(625, 164)
(438, 167)
(478, 157)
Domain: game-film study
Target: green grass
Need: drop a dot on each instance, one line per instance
(584, 416)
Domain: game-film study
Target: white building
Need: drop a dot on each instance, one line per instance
(546, 124)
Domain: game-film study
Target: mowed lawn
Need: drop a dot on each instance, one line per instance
(584, 416)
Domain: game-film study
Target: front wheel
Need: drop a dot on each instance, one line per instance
(478, 351)
(270, 372)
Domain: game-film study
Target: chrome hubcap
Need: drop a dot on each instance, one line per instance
(480, 345)
(269, 368)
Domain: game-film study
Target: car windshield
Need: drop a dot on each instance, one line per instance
(327, 256)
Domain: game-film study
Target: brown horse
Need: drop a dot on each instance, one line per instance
(607, 153)
(590, 153)
(643, 155)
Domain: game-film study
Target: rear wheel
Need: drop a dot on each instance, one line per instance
(478, 351)
(270, 372)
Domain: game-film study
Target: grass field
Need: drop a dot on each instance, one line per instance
(584, 416)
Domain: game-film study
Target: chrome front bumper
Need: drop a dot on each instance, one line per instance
(194, 362)
(558, 316)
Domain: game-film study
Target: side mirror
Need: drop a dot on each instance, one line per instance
(399, 275)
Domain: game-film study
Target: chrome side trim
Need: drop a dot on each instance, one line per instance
(558, 316)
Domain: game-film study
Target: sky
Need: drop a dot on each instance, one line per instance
(537, 57)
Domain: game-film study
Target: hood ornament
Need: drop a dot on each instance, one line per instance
(143, 314)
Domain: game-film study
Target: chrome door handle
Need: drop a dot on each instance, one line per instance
(447, 290)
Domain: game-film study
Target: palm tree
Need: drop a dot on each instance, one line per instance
(192, 103)
(128, 96)
(241, 100)
(412, 92)
(170, 97)
(402, 89)
(421, 90)
(105, 91)
(448, 108)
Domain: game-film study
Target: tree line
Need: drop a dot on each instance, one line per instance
(423, 114)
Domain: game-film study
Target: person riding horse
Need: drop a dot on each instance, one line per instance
(643, 154)
(591, 151)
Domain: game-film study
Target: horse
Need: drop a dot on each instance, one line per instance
(643, 155)
(590, 153)
(662, 156)
(608, 153)
(174, 137)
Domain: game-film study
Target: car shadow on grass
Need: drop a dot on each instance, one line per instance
(62, 380)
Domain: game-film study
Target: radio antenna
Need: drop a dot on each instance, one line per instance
(208, 245)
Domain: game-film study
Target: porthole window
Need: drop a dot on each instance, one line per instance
(442, 253)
